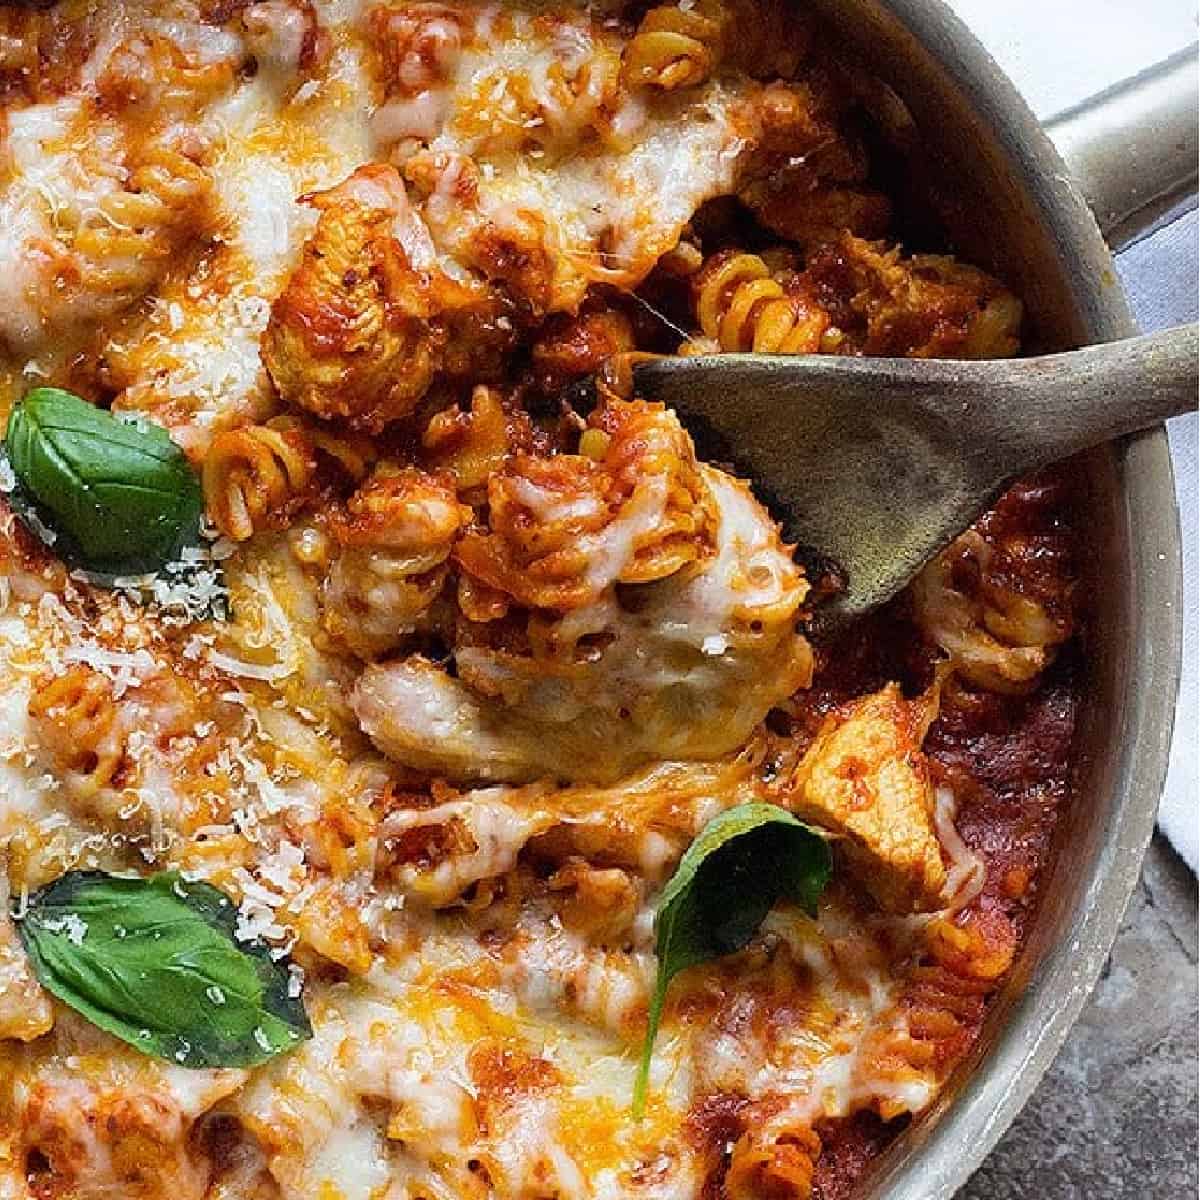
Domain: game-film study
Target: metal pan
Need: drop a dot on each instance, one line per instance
(1038, 216)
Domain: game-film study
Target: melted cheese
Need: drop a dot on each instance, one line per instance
(477, 963)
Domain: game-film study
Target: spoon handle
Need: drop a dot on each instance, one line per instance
(1041, 409)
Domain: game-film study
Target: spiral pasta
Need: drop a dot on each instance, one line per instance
(256, 477)
(742, 306)
(997, 638)
(672, 49)
(773, 1164)
(79, 258)
(558, 528)
(960, 967)
(124, 246)
(471, 446)
(395, 537)
(78, 719)
(151, 69)
(259, 476)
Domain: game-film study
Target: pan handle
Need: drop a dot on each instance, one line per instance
(1133, 149)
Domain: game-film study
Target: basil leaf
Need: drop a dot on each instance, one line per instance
(122, 497)
(741, 863)
(154, 962)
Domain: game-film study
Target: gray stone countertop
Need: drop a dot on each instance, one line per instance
(1115, 1118)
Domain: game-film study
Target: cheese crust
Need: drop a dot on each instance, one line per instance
(459, 670)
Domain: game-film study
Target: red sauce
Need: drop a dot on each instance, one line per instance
(1007, 757)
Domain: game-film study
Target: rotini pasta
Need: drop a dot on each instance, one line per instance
(78, 716)
(471, 446)
(132, 1133)
(260, 476)
(149, 69)
(256, 478)
(742, 306)
(778, 1164)
(961, 964)
(673, 48)
(395, 536)
(547, 517)
(682, 45)
(852, 296)
(99, 725)
(997, 638)
(89, 257)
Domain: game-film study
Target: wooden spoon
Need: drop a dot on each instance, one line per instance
(879, 463)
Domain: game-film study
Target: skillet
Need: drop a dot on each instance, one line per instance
(1038, 218)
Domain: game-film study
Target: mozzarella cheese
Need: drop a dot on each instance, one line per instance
(477, 963)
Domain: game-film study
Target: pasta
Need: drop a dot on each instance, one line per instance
(682, 45)
(672, 48)
(473, 644)
(741, 307)
(852, 297)
(101, 255)
(773, 1165)
(958, 970)
(996, 638)
(591, 688)
(395, 537)
(260, 476)
(472, 446)
(648, 468)
(141, 226)
(256, 477)
(80, 718)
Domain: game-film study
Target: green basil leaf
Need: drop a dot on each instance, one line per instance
(741, 863)
(154, 962)
(121, 496)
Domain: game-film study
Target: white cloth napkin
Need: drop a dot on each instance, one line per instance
(1160, 275)
(1059, 52)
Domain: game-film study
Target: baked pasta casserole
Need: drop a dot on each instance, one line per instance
(416, 781)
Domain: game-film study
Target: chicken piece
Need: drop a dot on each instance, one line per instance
(395, 537)
(865, 780)
(680, 668)
(350, 337)
(926, 306)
